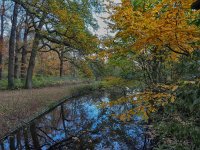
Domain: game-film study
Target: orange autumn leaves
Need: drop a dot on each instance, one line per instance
(165, 25)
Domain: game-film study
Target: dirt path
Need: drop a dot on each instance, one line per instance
(17, 106)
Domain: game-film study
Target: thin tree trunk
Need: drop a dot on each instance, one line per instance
(63, 120)
(28, 84)
(19, 140)
(26, 141)
(17, 53)
(1, 37)
(1, 56)
(34, 136)
(12, 143)
(24, 50)
(12, 48)
(61, 64)
(2, 146)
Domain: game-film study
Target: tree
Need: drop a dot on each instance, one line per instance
(63, 22)
(160, 30)
(155, 36)
(18, 46)
(12, 48)
(161, 25)
(2, 37)
(25, 47)
(31, 65)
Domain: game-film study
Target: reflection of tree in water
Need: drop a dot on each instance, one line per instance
(78, 124)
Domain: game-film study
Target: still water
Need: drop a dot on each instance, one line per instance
(80, 123)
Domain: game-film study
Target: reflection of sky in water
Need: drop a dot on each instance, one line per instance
(6, 144)
(84, 114)
(91, 110)
(105, 100)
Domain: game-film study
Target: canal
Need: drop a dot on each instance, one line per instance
(79, 123)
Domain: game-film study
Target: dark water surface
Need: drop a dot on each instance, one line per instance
(80, 124)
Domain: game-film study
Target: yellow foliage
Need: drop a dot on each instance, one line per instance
(145, 102)
(47, 64)
(71, 25)
(112, 81)
(163, 25)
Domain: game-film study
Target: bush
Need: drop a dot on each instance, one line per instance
(178, 126)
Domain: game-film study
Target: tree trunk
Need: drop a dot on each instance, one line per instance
(17, 53)
(24, 50)
(12, 48)
(28, 84)
(61, 64)
(26, 139)
(19, 140)
(2, 146)
(12, 143)
(34, 136)
(1, 56)
(1, 37)
(63, 120)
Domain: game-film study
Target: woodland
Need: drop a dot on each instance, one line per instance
(151, 50)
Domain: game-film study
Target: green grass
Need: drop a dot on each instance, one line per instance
(4, 84)
(41, 81)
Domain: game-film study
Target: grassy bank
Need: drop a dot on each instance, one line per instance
(43, 81)
(19, 106)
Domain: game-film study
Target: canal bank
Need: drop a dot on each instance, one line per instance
(20, 106)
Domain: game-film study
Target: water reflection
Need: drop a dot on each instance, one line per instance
(80, 124)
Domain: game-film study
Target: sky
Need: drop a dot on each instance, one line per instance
(103, 26)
